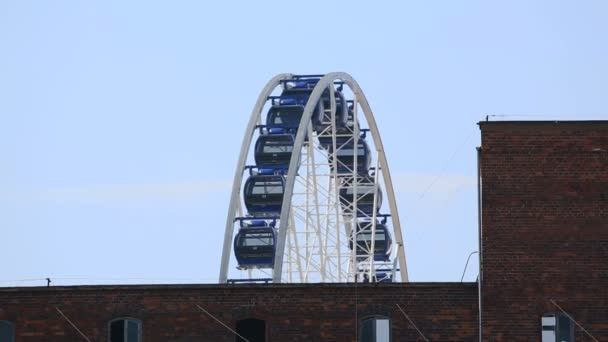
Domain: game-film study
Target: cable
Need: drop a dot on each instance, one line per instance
(441, 174)
(211, 280)
(573, 320)
(72, 324)
(220, 322)
(22, 280)
(414, 325)
(467, 264)
(445, 165)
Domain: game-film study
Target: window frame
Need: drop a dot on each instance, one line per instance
(376, 318)
(11, 326)
(263, 236)
(140, 331)
(559, 316)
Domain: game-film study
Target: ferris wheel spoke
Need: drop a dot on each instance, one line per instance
(312, 204)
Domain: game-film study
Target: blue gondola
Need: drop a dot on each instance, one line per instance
(300, 84)
(349, 125)
(274, 150)
(286, 117)
(346, 155)
(382, 243)
(380, 277)
(365, 197)
(263, 194)
(255, 245)
(341, 113)
(297, 92)
(300, 100)
(347, 128)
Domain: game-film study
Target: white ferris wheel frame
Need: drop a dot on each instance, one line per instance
(304, 129)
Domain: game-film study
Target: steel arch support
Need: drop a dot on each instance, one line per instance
(315, 96)
(240, 166)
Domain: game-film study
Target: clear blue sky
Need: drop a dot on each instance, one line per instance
(121, 121)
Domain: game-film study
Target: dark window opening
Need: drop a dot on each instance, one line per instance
(375, 329)
(268, 187)
(254, 330)
(556, 327)
(125, 330)
(262, 239)
(7, 332)
(286, 116)
(278, 147)
(349, 151)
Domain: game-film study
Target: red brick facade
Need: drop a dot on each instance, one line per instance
(544, 227)
(309, 312)
(544, 240)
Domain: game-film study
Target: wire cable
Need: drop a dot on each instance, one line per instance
(412, 323)
(573, 320)
(55, 279)
(467, 264)
(72, 324)
(220, 322)
(446, 164)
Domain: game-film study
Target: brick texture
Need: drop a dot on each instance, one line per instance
(545, 226)
(309, 312)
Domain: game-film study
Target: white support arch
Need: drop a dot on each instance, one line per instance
(240, 166)
(287, 215)
(360, 98)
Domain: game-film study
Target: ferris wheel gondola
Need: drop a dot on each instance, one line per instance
(274, 150)
(312, 204)
(350, 156)
(263, 193)
(368, 196)
(255, 244)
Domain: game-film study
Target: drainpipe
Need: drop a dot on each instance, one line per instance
(479, 234)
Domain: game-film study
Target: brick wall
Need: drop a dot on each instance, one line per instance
(310, 312)
(545, 226)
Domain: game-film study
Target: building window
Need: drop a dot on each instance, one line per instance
(556, 327)
(254, 330)
(375, 329)
(125, 330)
(7, 331)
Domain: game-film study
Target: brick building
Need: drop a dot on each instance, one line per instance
(544, 227)
(544, 266)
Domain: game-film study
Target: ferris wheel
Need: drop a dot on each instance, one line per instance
(312, 198)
